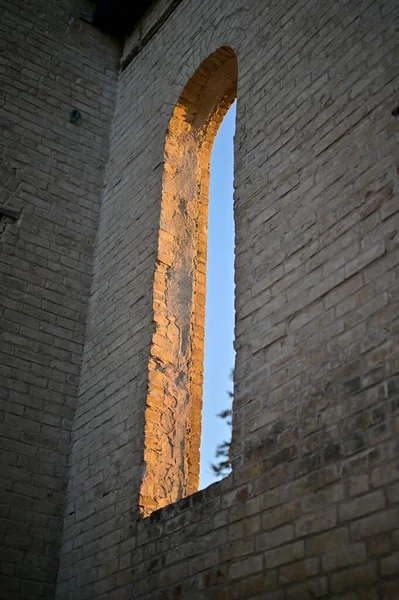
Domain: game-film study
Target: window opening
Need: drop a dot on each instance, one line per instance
(173, 413)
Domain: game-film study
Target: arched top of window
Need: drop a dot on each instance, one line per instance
(175, 370)
(210, 92)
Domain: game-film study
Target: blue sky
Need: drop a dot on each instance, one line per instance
(219, 320)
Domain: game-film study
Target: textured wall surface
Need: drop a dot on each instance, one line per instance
(51, 170)
(311, 508)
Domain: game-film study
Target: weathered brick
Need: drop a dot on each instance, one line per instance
(344, 556)
(314, 588)
(389, 590)
(326, 541)
(235, 549)
(354, 577)
(299, 571)
(259, 583)
(315, 522)
(275, 538)
(379, 544)
(393, 493)
(246, 567)
(358, 484)
(361, 506)
(244, 528)
(280, 515)
(389, 565)
(384, 473)
(284, 554)
(373, 524)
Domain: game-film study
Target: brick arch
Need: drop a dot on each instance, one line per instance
(175, 370)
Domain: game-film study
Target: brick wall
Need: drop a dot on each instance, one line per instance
(51, 170)
(311, 508)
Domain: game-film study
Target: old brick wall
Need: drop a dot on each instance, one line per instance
(311, 509)
(51, 170)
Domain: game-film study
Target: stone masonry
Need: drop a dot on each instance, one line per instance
(102, 296)
(52, 171)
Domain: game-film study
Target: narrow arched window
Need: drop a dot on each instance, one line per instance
(175, 370)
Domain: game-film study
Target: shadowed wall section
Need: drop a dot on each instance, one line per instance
(174, 400)
(51, 173)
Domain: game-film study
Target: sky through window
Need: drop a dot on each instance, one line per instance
(219, 320)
